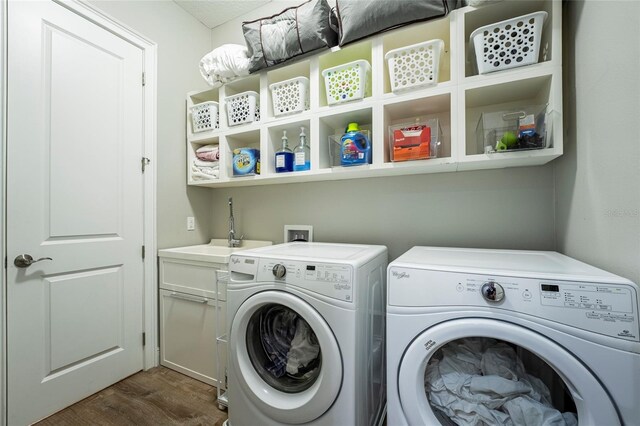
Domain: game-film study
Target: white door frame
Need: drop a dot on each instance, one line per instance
(149, 49)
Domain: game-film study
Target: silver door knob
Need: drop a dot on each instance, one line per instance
(26, 260)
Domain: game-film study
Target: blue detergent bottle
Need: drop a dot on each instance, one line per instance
(355, 148)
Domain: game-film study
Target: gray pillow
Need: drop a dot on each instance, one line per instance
(290, 33)
(357, 19)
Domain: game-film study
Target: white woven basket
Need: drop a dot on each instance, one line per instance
(414, 66)
(205, 116)
(508, 44)
(290, 96)
(243, 108)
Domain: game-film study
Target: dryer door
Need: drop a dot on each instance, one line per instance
(464, 369)
(287, 358)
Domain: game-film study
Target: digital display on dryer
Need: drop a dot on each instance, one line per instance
(311, 268)
(550, 287)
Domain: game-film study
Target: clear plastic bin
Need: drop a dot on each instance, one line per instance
(205, 116)
(518, 129)
(243, 108)
(508, 44)
(290, 96)
(335, 146)
(414, 66)
(416, 139)
(347, 82)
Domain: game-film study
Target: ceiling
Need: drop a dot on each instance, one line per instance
(216, 12)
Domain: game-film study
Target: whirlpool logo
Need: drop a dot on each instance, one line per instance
(400, 275)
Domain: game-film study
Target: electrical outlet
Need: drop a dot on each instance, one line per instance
(191, 223)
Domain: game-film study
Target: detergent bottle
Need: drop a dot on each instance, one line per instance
(355, 148)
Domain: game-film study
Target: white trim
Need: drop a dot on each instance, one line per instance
(149, 49)
(3, 195)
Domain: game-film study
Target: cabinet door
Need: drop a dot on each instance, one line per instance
(187, 276)
(188, 334)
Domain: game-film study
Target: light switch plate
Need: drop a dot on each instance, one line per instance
(191, 223)
(298, 233)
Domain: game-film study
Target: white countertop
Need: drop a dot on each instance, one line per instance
(217, 251)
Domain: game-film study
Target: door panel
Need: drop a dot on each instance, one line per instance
(85, 117)
(74, 194)
(85, 315)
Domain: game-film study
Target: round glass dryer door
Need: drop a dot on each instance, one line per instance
(483, 371)
(286, 356)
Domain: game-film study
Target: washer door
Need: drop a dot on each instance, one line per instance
(286, 358)
(592, 403)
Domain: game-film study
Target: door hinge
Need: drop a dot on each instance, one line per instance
(144, 80)
(143, 252)
(6, 262)
(145, 162)
(144, 339)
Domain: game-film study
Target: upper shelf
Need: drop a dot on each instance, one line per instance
(457, 102)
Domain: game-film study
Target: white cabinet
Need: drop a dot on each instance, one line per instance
(457, 101)
(193, 318)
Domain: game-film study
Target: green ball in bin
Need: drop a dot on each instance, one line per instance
(509, 139)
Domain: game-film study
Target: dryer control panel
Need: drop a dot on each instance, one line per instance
(332, 280)
(609, 309)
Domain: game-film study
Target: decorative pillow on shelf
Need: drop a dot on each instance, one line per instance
(290, 33)
(357, 19)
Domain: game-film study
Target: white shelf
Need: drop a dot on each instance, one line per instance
(456, 101)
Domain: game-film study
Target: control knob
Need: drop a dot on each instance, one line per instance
(492, 292)
(279, 271)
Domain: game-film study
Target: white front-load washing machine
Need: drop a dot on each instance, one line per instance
(510, 337)
(307, 335)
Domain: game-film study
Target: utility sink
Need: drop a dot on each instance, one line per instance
(217, 251)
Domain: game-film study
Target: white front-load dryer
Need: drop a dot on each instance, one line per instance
(306, 335)
(510, 337)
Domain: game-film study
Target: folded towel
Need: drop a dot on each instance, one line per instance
(208, 153)
(207, 148)
(203, 176)
(203, 170)
(208, 164)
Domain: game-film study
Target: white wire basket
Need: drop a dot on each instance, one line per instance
(205, 116)
(508, 44)
(347, 82)
(243, 108)
(290, 96)
(414, 66)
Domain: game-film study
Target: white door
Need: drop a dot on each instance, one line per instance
(75, 194)
(263, 335)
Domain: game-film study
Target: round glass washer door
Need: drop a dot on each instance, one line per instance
(287, 359)
(593, 404)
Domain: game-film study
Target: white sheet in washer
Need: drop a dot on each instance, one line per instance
(480, 381)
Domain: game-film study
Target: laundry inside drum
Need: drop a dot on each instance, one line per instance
(283, 348)
(483, 381)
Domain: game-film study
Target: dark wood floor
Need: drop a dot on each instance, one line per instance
(156, 397)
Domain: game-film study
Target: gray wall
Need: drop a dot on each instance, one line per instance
(510, 208)
(598, 178)
(182, 41)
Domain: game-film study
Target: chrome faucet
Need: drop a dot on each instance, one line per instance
(233, 242)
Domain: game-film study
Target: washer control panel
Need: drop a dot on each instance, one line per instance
(331, 280)
(609, 309)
